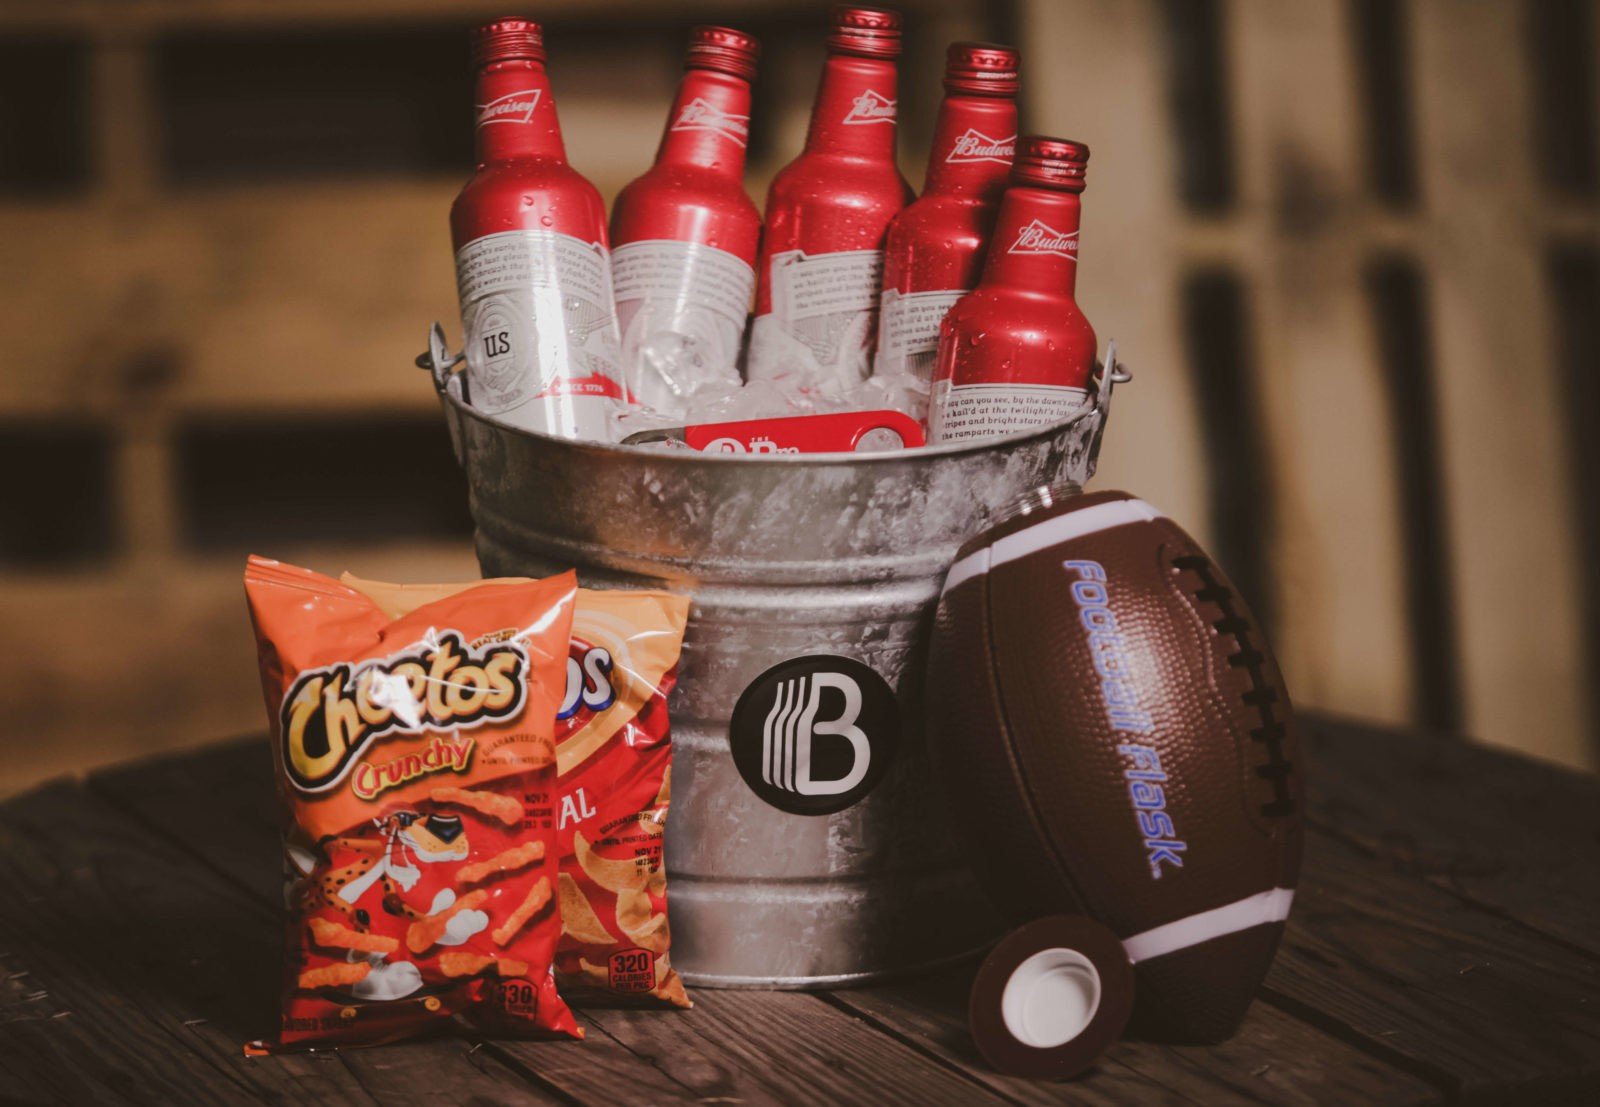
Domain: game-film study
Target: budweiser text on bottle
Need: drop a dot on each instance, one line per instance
(935, 246)
(821, 258)
(684, 235)
(1016, 351)
(532, 269)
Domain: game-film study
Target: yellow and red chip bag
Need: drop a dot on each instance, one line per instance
(417, 768)
(614, 758)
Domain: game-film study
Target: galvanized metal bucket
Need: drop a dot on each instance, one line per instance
(806, 846)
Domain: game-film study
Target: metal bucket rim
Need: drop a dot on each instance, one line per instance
(996, 444)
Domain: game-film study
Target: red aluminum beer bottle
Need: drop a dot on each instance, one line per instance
(532, 269)
(684, 235)
(821, 261)
(1016, 351)
(935, 246)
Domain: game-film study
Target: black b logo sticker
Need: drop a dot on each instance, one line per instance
(812, 735)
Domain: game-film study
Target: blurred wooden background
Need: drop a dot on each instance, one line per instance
(1350, 247)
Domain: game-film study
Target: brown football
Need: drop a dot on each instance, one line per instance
(1114, 739)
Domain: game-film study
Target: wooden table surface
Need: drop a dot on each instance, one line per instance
(1444, 946)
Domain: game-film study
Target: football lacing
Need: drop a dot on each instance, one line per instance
(1262, 696)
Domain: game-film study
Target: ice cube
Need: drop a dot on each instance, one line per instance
(671, 367)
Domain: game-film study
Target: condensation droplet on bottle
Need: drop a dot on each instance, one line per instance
(546, 220)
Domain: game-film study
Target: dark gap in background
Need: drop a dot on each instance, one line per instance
(1216, 331)
(1198, 104)
(921, 71)
(1574, 270)
(44, 131)
(241, 106)
(256, 104)
(265, 482)
(1561, 38)
(56, 484)
(1005, 24)
(1397, 297)
(1382, 49)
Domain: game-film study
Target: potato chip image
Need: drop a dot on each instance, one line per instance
(653, 935)
(612, 874)
(633, 910)
(577, 916)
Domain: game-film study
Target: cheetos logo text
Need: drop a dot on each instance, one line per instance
(331, 715)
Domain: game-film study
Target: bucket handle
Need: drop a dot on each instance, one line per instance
(442, 364)
(1109, 373)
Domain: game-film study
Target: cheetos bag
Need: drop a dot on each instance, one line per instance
(416, 763)
(614, 760)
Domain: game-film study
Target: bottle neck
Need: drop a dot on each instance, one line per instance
(855, 110)
(516, 115)
(1035, 243)
(710, 123)
(973, 143)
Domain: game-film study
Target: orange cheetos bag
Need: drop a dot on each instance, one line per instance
(417, 768)
(614, 764)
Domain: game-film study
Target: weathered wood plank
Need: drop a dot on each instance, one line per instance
(597, 1070)
(228, 788)
(1274, 1058)
(1383, 966)
(218, 802)
(788, 1048)
(1500, 831)
(1463, 995)
(723, 1049)
(1338, 544)
(1518, 562)
(442, 1073)
(145, 973)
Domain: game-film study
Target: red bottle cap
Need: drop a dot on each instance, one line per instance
(507, 39)
(981, 68)
(1056, 163)
(865, 32)
(724, 50)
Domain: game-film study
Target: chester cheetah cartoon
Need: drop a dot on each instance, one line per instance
(407, 838)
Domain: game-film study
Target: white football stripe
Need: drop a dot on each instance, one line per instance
(1041, 536)
(1264, 907)
(973, 565)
